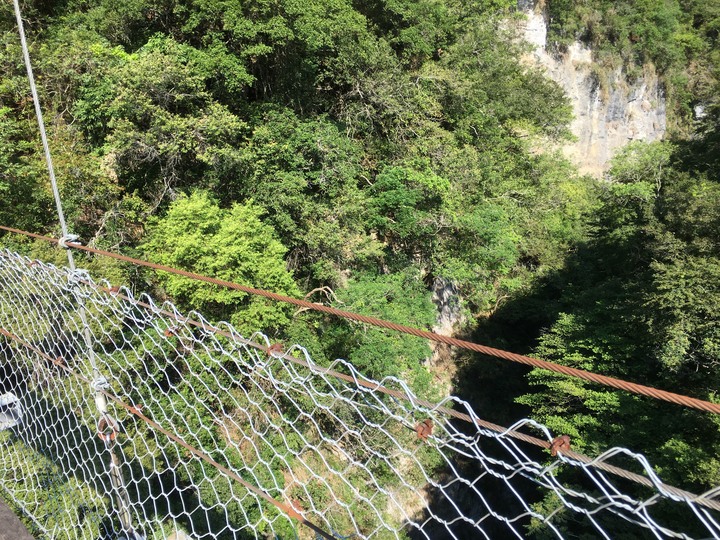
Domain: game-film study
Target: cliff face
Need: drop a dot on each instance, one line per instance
(608, 115)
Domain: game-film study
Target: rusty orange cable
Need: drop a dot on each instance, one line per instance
(596, 378)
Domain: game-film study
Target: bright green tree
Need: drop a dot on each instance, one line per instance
(232, 245)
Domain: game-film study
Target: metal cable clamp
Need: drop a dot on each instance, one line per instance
(63, 240)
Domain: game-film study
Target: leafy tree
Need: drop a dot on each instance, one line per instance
(403, 205)
(305, 173)
(639, 307)
(25, 201)
(400, 297)
(416, 30)
(495, 92)
(159, 127)
(233, 245)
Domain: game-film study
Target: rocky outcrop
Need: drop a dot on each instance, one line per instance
(446, 297)
(450, 317)
(609, 113)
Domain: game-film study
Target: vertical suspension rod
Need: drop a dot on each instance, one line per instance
(116, 478)
(41, 125)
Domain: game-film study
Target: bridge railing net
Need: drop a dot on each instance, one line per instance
(170, 425)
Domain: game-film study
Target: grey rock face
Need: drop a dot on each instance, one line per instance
(608, 115)
(447, 299)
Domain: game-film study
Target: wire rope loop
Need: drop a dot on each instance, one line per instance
(100, 383)
(63, 240)
(107, 428)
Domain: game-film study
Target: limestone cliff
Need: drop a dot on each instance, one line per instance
(607, 115)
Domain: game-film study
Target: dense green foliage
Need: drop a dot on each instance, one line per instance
(369, 138)
(639, 305)
(638, 301)
(232, 245)
(359, 152)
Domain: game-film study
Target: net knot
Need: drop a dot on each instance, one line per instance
(559, 444)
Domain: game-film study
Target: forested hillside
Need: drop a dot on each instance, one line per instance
(365, 154)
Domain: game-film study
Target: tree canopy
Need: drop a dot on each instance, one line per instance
(357, 153)
(232, 245)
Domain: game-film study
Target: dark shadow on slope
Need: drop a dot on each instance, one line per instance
(483, 500)
(604, 286)
(701, 153)
(491, 386)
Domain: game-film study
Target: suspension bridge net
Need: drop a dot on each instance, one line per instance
(171, 427)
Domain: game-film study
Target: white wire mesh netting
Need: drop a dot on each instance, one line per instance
(171, 427)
